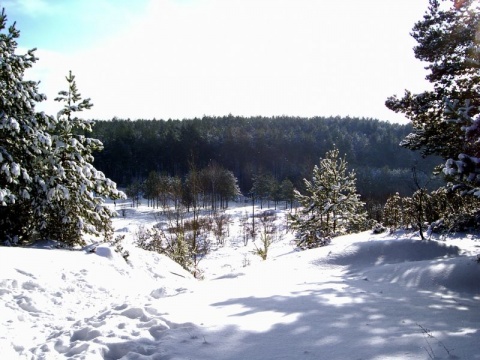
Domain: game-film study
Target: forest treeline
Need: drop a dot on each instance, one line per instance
(285, 147)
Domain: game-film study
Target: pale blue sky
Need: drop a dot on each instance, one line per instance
(66, 25)
(186, 58)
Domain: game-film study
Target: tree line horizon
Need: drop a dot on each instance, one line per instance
(281, 147)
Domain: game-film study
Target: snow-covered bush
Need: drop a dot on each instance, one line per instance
(442, 210)
(220, 230)
(117, 243)
(312, 238)
(176, 242)
(378, 228)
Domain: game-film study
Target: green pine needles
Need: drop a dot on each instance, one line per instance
(331, 205)
(49, 188)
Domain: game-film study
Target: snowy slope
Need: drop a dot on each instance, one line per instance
(362, 297)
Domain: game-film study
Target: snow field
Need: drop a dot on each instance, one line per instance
(386, 296)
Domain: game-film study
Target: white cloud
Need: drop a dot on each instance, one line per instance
(263, 57)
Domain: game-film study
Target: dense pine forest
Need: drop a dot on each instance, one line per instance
(284, 147)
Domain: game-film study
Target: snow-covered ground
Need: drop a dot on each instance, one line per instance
(365, 296)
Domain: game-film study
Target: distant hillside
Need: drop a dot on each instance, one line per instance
(287, 147)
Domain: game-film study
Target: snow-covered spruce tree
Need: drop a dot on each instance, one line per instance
(24, 142)
(76, 190)
(331, 205)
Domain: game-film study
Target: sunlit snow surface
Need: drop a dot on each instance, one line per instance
(365, 296)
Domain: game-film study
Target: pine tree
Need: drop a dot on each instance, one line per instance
(287, 192)
(48, 187)
(228, 187)
(392, 212)
(464, 168)
(24, 141)
(76, 189)
(151, 187)
(134, 192)
(331, 205)
(218, 183)
(447, 40)
(262, 186)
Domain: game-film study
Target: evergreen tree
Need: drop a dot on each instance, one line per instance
(218, 184)
(134, 191)
(176, 189)
(392, 212)
(228, 187)
(151, 187)
(262, 186)
(77, 190)
(287, 192)
(331, 205)
(464, 168)
(210, 178)
(48, 187)
(447, 39)
(164, 182)
(192, 190)
(443, 118)
(24, 141)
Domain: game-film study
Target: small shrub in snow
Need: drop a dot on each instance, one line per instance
(436, 227)
(176, 242)
(429, 337)
(150, 240)
(267, 234)
(220, 230)
(378, 228)
(246, 228)
(246, 261)
(442, 210)
(117, 243)
(311, 239)
(160, 241)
